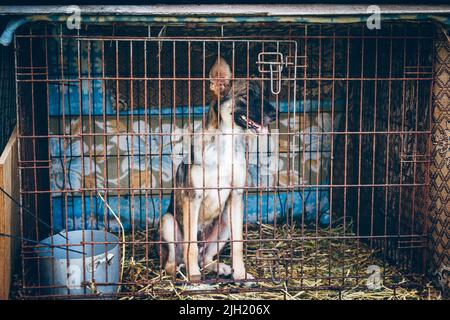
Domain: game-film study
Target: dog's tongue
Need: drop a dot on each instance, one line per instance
(259, 128)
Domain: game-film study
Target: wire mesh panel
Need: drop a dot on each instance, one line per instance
(439, 171)
(112, 119)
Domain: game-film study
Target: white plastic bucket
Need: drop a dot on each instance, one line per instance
(72, 273)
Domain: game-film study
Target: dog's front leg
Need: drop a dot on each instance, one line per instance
(191, 207)
(236, 217)
(216, 241)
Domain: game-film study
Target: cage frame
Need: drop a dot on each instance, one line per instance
(406, 156)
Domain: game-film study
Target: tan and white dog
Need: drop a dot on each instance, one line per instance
(208, 202)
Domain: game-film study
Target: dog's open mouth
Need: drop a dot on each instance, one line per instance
(253, 125)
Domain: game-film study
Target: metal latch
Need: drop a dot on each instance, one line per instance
(296, 61)
(272, 63)
(415, 158)
(272, 256)
(421, 72)
(412, 242)
(268, 254)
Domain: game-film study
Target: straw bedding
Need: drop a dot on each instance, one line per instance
(310, 264)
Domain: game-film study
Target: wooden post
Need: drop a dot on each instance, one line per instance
(9, 214)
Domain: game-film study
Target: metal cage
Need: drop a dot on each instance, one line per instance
(340, 183)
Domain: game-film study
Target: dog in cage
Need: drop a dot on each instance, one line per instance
(208, 201)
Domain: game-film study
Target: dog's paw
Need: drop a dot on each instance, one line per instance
(241, 275)
(220, 268)
(171, 268)
(224, 269)
(245, 279)
(195, 277)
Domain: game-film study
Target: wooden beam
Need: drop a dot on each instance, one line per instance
(226, 9)
(9, 215)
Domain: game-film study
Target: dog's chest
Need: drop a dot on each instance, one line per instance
(225, 160)
(224, 166)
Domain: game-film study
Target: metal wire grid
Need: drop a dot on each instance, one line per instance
(378, 168)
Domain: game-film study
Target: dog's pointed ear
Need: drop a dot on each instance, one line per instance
(220, 69)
